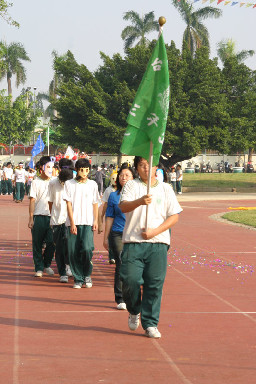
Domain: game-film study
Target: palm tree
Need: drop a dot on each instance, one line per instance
(227, 49)
(11, 57)
(139, 28)
(195, 34)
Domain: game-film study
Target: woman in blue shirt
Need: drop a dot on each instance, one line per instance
(114, 226)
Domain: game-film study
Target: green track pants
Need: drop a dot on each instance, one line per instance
(144, 264)
(42, 232)
(80, 248)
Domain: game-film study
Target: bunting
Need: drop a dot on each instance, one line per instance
(229, 2)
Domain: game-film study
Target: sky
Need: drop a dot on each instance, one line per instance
(87, 27)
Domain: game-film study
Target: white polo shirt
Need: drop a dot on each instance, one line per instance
(8, 173)
(82, 197)
(107, 192)
(59, 206)
(164, 204)
(39, 191)
(19, 175)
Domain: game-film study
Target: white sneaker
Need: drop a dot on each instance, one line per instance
(133, 321)
(38, 274)
(68, 271)
(77, 285)
(49, 271)
(121, 306)
(179, 193)
(153, 333)
(88, 282)
(112, 261)
(64, 279)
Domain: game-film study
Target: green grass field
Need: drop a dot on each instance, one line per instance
(225, 180)
(242, 217)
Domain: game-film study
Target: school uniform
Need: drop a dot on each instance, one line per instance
(179, 178)
(173, 180)
(80, 247)
(144, 262)
(29, 178)
(19, 179)
(8, 174)
(41, 231)
(58, 220)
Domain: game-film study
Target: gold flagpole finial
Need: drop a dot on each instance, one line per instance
(161, 21)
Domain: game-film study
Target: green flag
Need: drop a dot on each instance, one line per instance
(148, 116)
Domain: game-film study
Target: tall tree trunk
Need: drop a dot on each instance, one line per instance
(9, 83)
(251, 151)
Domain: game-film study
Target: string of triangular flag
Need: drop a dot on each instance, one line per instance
(229, 2)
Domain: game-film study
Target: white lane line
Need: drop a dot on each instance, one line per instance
(111, 311)
(16, 318)
(210, 313)
(161, 350)
(237, 252)
(188, 206)
(169, 360)
(217, 296)
(117, 312)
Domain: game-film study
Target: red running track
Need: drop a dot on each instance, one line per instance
(51, 333)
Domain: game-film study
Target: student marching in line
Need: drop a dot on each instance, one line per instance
(114, 226)
(30, 174)
(144, 256)
(179, 178)
(7, 179)
(112, 188)
(82, 197)
(58, 210)
(19, 183)
(39, 219)
(172, 176)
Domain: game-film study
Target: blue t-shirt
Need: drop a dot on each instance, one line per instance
(115, 212)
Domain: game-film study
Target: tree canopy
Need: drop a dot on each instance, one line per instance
(209, 107)
(17, 119)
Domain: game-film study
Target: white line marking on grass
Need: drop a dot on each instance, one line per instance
(169, 360)
(217, 296)
(16, 318)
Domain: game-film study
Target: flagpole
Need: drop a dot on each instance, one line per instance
(161, 22)
(150, 162)
(48, 134)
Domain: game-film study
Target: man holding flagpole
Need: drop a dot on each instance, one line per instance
(151, 207)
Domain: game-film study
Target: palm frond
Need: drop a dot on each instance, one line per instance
(129, 31)
(243, 55)
(134, 17)
(207, 12)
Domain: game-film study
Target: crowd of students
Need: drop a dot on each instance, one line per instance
(16, 181)
(64, 216)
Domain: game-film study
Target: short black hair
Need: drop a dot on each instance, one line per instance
(8, 163)
(65, 163)
(44, 160)
(83, 163)
(123, 166)
(137, 160)
(65, 174)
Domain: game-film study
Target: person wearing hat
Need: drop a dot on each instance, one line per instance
(19, 182)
